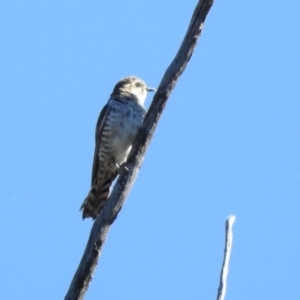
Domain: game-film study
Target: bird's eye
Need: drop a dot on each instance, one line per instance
(138, 84)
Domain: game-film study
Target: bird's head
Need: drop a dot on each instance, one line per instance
(131, 88)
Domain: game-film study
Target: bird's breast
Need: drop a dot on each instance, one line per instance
(126, 122)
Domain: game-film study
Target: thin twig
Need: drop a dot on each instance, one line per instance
(122, 187)
(224, 272)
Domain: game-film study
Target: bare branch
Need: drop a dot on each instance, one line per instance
(111, 209)
(224, 272)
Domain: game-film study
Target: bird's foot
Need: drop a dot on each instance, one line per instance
(122, 168)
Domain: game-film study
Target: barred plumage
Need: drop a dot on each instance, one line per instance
(116, 129)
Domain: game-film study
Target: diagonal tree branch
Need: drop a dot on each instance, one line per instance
(122, 187)
(227, 251)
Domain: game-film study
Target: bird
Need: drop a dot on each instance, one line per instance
(116, 129)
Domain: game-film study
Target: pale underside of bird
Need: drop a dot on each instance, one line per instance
(116, 129)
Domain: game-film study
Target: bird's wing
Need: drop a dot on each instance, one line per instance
(99, 127)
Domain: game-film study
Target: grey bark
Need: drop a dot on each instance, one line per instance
(88, 263)
(227, 251)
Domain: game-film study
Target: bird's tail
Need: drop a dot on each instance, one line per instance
(96, 198)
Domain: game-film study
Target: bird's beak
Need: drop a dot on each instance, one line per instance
(150, 89)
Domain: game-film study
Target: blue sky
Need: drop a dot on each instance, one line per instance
(228, 143)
